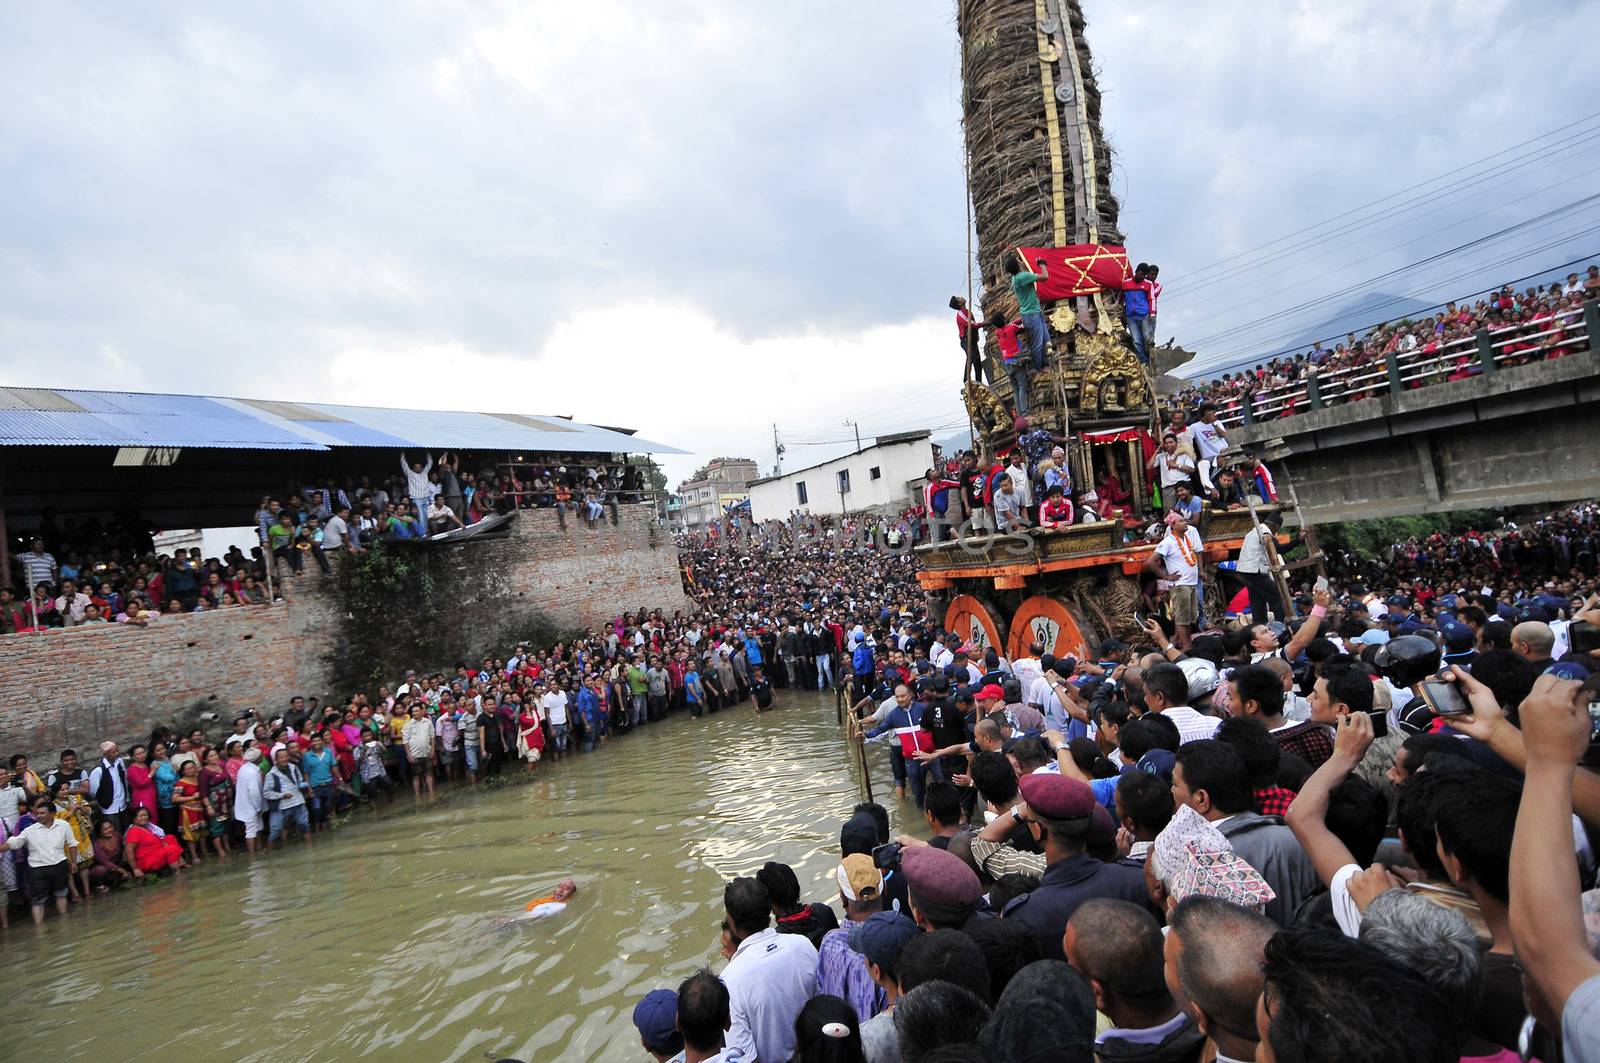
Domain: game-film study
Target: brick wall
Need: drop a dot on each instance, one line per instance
(78, 687)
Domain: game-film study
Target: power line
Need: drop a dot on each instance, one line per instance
(1439, 201)
(1254, 323)
(1270, 344)
(1527, 223)
(1383, 199)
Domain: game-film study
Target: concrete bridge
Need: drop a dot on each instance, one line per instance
(1508, 435)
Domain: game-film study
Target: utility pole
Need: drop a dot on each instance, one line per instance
(777, 452)
(857, 426)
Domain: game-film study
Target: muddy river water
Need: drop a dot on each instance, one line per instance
(389, 939)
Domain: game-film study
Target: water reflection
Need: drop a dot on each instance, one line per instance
(394, 938)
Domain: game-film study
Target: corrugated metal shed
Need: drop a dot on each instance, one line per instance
(39, 417)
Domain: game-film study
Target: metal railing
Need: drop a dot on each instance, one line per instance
(1485, 351)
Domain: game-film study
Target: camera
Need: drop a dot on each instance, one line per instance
(1444, 697)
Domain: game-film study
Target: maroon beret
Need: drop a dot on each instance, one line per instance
(940, 877)
(1056, 796)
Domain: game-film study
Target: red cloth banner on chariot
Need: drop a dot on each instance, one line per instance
(1078, 269)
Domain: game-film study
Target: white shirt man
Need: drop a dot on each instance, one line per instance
(1210, 439)
(1176, 467)
(1192, 725)
(1008, 505)
(247, 801)
(1027, 670)
(555, 708)
(1017, 473)
(1253, 556)
(335, 532)
(1042, 696)
(110, 765)
(1182, 557)
(441, 513)
(73, 607)
(769, 979)
(48, 846)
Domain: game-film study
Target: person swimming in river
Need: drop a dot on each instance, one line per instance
(552, 904)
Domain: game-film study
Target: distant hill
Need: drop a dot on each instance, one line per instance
(1357, 317)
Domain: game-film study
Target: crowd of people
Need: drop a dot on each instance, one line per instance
(1024, 483)
(1533, 325)
(431, 496)
(1350, 825)
(774, 614)
(1367, 833)
(109, 571)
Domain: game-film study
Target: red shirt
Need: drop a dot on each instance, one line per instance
(1055, 512)
(1273, 801)
(963, 323)
(1006, 335)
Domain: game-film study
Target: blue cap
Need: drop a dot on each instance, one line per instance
(1373, 637)
(1158, 762)
(1450, 601)
(656, 1018)
(1394, 618)
(1457, 637)
(1551, 602)
(882, 935)
(1527, 611)
(1413, 627)
(1568, 670)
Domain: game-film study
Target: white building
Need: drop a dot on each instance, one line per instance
(722, 483)
(884, 477)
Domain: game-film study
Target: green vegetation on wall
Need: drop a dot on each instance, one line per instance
(1366, 538)
(406, 608)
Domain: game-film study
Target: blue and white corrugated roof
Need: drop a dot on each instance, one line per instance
(46, 417)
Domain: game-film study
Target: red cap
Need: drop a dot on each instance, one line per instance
(992, 692)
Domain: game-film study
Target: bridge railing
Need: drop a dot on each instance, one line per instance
(1486, 351)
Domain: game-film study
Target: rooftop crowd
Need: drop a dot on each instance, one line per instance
(109, 571)
(1541, 318)
(1357, 832)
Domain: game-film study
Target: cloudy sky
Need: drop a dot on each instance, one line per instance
(701, 217)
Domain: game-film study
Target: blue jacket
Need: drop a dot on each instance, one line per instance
(589, 705)
(898, 720)
(1136, 302)
(861, 658)
(1067, 884)
(752, 650)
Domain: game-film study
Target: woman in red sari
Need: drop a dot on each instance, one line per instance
(149, 849)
